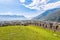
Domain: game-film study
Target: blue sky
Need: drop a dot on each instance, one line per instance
(28, 8)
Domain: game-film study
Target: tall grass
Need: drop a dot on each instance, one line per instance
(27, 33)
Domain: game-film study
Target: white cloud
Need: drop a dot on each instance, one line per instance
(42, 5)
(36, 4)
(7, 13)
(52, 5)
(22, 1)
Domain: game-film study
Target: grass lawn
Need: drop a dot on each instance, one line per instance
(27, 33)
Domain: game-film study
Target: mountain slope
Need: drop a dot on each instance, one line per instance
(46, 14)
(53, 16)
(12, 17)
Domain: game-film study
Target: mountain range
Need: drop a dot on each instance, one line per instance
(49, 15)
(12, 17)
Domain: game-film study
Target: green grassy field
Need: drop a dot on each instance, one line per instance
(27, 33)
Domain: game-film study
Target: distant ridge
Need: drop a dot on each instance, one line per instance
(12, 17)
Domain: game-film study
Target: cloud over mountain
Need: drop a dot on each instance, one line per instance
(42, 4)
(27, 8)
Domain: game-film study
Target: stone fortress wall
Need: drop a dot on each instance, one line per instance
(55, 26)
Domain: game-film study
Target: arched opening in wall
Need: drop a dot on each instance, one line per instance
(57, 27)
(40, 24)
(51, 25)
(46, 26)
(43, 25)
